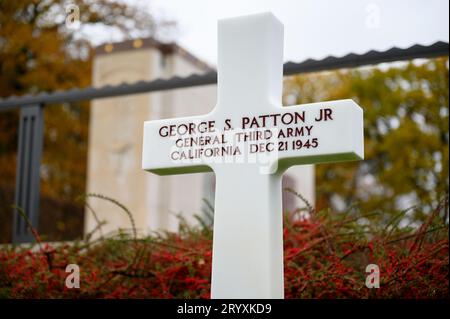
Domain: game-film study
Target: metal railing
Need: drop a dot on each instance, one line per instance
(31, 123)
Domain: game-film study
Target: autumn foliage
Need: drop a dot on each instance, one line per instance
(38, 53)
(325, 256)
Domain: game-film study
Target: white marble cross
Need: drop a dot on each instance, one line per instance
(248, 141)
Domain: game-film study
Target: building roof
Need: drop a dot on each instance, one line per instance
(146, 43)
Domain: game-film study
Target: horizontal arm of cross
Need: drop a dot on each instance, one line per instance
(160, 145)
(332, 132)
(276, 139)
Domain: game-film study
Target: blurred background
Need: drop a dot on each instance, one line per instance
(94, 146)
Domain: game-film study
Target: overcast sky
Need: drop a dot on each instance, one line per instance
(314, 28)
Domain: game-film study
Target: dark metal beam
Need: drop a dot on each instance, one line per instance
(31, 128)
(290, 68)
(370, 58)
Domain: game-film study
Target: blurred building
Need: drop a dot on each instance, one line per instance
(115, 141)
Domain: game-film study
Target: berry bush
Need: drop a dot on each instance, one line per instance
(325, 256)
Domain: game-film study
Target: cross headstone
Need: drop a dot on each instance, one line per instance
(248, 141)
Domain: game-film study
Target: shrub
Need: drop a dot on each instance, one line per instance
(325, 256)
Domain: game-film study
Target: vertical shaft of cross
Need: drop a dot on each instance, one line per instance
(248, 229)
(250, 62)
(248, 242)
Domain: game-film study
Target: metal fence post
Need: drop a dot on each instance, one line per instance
(31, 128)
